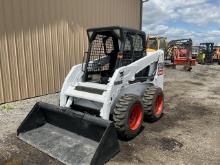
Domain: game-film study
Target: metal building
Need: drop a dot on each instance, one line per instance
(41, 39)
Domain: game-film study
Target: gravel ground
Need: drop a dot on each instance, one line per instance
(188, 133)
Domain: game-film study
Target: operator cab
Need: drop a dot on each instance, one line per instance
(109, 49)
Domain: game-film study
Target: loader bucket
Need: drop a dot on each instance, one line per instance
(69, 136)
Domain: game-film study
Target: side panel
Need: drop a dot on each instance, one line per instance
(74, 76)
(159, 78)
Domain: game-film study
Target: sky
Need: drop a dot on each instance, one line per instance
(176, 19)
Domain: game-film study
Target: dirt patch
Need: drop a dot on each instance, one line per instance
(215, 68)
(194, 83)
(216, 91)
(129, 155)
(13, 162)
(185, 111)
(170, 144)
(15, 152)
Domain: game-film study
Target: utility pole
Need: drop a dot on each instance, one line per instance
(141, 12)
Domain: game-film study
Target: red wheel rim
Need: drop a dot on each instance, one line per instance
(159, 106)
(135, 116)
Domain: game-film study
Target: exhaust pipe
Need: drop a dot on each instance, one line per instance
(69, 136)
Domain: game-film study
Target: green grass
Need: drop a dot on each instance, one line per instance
(6, 107)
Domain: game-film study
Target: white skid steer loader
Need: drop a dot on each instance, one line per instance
(102, 99)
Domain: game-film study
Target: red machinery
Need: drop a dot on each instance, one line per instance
(181, 57)
(180, 53)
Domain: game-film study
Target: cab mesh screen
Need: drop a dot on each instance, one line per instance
(99, 57)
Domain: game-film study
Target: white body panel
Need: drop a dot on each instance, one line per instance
(74, 77)
(119, 81)
(84, 95)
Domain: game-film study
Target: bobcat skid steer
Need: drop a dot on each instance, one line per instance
(102, 99)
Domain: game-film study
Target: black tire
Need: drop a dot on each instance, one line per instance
(122, 114)
(149, 100)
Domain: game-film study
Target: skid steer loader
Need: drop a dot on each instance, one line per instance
(102, 99)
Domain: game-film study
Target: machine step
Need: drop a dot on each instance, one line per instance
(93, 85)
(85, 95)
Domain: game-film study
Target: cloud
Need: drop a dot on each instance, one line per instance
(162, 10)
(201, 15)
(154, 14)
(156, 29)
(171, 32)
(175, 19)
